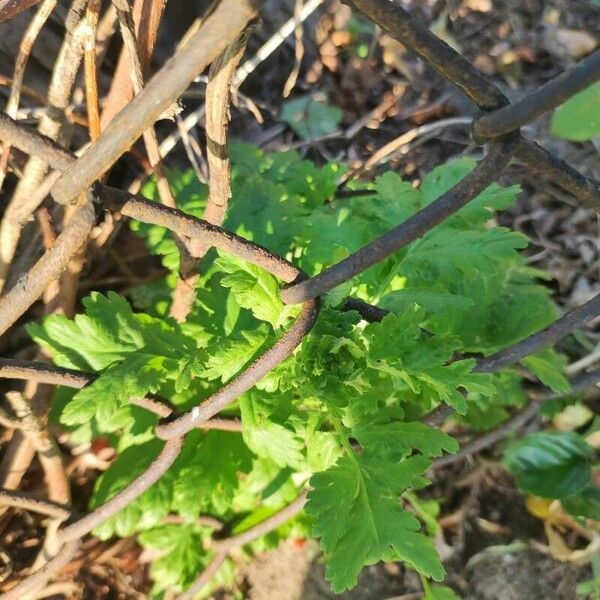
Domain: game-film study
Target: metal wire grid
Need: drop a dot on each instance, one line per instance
(498, 127)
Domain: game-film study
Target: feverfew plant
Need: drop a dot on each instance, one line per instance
(343, 415)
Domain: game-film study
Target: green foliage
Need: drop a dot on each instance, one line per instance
(548, 366)
(310, 117)
(343, 411)
(578, 119)
(440, 592)
(359, 518)
(551, 465)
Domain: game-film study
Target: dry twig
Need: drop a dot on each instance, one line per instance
(20, 208)
(219, 185)
(25, 47)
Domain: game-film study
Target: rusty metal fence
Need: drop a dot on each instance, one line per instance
(497, 127)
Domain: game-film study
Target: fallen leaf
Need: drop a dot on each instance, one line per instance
(577, 43)
(483, 6)
(572, 417)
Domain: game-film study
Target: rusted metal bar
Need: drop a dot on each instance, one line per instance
(27, 502)
(183, 224)
(247, 379)
(369, 312)
(484, 174)
(221, 27)
(31, 142)
(543, 163)
(533, 104)
(518, 421)
(11, 8)
(224, 25)
(402, 26)
(135, 489)
(11, 368)
(547, 337)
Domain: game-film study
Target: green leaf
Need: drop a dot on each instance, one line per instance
(443, 178)
(357, 514)
(401, 438)
(268, 438)
(433, 302)
(136, 354)
(254, 288)
(459, 253)
(137, 375)
(440, 592)
(181, 556)
(228, 356)
(399, 348)
(207, 474)
(549, 367)
(140, 513)
(551, 465)
(585, 504)
(311, 118)
(578, 119)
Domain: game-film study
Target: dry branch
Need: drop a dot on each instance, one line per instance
(219, 168)
(27, 502)
(147, 15)
(225, 24)
(45, 446)
(224, 546)
(21, 207)
(31, 286)
(91, 68)
(39, 579)
(25, 48)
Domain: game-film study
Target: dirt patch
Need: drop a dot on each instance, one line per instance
(499, 574)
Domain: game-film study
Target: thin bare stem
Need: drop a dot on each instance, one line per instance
(46, 447)
(25, 47)
(20, 208)
(147, 15)
(39, 579)
(219, 185)
(246, 69)
(225, 24)
(224, 546)
(91, 68)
